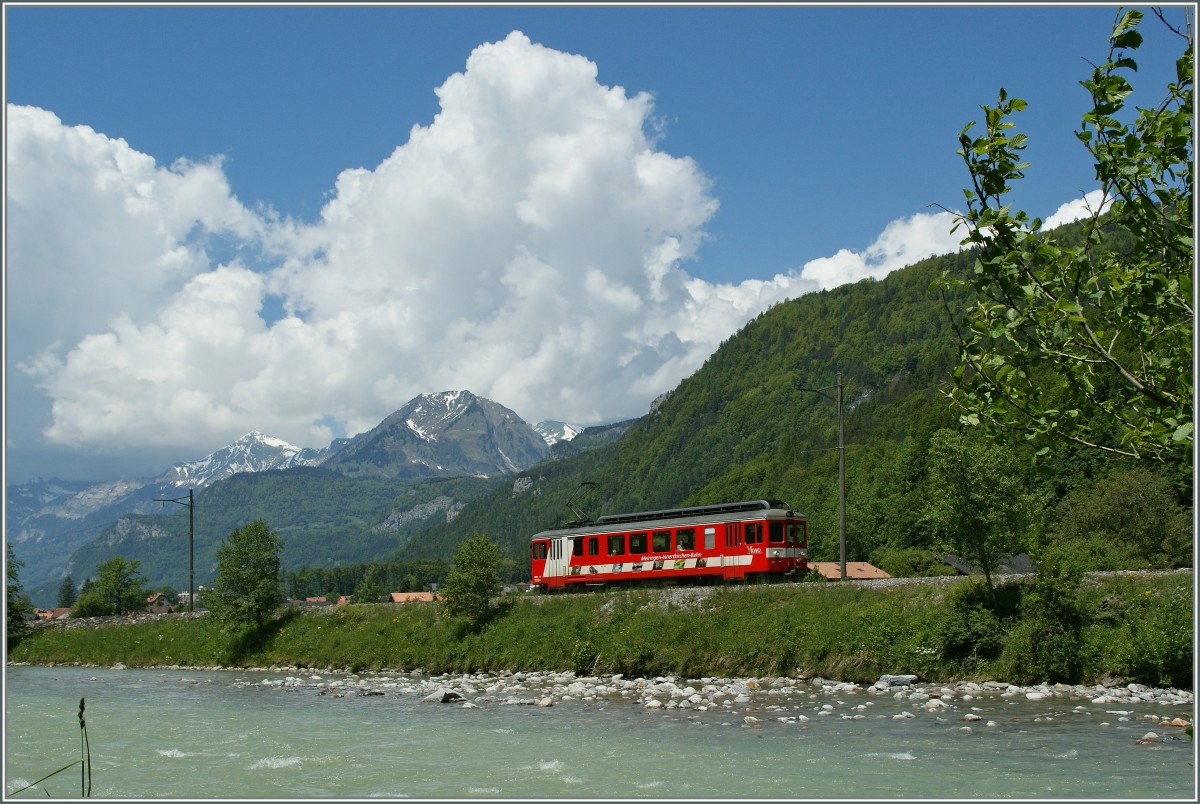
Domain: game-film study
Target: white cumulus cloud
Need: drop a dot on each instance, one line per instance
(1090, 204)
(529, 244)
(902, 243)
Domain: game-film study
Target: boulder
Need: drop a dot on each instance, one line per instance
(896, 681)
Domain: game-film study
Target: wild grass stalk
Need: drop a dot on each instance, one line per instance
(84, 762)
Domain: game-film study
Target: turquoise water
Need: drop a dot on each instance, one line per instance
(219, 734)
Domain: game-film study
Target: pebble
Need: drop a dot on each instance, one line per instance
(781, 696)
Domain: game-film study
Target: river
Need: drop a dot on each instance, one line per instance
(188, 734)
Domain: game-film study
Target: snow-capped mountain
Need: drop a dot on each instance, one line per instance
(253, 452)
(552, 432)
(452, 433)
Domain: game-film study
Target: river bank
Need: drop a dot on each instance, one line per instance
(548, 688)
(1115, 631)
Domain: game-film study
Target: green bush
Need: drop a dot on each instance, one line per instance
(909, 562)
(1129, 520)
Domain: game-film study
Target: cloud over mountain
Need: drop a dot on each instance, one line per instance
(530, 243)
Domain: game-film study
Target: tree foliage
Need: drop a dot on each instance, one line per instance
(1129, 520)
(1085, 341)
(67, 593)
(16, 607)
(119, 587)
(371, 588)
(474, 579)
(249, 584)
(978, 501)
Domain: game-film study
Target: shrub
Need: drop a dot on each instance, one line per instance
(1129, 520)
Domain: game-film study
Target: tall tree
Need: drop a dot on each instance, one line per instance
(1086, 342)
(977, 503)
(66, 593)
(249, 584)
(473, 580)
(119, 584)
(371, 588)
(16, 607)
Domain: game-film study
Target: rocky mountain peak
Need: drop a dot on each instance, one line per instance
(253, 452)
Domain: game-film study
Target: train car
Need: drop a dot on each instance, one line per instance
(742, 541)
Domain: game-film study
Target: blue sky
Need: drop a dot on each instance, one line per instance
(794, 148)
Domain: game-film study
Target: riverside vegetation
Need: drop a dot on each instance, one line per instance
(1056, 627)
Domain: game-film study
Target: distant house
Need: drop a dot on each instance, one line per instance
(854, 570)
(320, 599)
(410, 597)
(344, 600)
(52, 614)
(157, 604)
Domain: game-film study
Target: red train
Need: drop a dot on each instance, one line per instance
(751, 540)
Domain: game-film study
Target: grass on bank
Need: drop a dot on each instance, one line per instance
(1119, 628)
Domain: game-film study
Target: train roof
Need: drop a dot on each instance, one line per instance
(697, 511)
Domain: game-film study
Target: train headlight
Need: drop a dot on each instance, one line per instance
(776, 553)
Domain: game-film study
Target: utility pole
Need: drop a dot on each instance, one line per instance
(841, 448)
(190, 503)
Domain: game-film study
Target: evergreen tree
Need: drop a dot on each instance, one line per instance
(371, 588)
(17, 607)
(66, 593)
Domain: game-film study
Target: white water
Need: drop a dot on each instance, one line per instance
(210, 734)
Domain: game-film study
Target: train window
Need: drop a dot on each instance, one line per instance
(685, 539)
(661, 541)
(577, 547)
(616, 545)
(710, 538)
(539, 550)
(637, 542)
(594, 546)
(791, 534)
(775, 532)
(754, 533)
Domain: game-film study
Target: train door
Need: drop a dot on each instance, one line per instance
(734, 558)
(557, 560)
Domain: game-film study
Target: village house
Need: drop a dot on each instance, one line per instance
(410, 597)
(157, 604)
(854, 570)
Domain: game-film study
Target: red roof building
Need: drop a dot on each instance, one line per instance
(854, 570)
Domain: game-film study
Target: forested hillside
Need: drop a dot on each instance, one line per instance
(325, 519)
